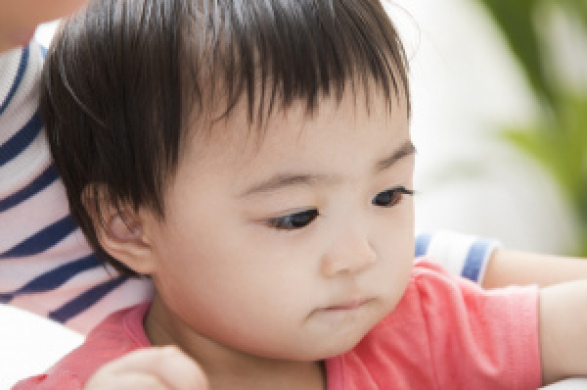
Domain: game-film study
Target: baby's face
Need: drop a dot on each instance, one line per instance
(292, 248)
(19, 18)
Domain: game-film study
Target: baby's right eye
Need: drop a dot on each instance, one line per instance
(294, 221)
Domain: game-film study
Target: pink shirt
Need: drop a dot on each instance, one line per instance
(446, 333)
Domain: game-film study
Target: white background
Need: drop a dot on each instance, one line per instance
(464, 84)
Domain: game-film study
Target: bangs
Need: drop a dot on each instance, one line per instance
(272, 53)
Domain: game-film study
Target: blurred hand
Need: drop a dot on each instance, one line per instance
(165, 368)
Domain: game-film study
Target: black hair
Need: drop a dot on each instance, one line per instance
(124, 79)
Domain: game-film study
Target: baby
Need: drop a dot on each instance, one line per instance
(253, 158)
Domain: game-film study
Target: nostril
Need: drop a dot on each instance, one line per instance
(349, 259)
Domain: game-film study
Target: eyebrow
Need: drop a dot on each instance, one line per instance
(407, 149)
(283, 180)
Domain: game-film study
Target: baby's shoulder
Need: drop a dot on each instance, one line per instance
(114, 337)
(432, 291)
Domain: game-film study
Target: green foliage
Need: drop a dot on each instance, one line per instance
(515, 20)
(557, 137)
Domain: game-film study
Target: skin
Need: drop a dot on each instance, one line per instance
(563, 327)
(295, 296)
(19, 19)
(154, 368)
(507, 268)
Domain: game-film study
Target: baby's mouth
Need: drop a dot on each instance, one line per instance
(351, 304)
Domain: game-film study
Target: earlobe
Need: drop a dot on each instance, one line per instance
(123, 237)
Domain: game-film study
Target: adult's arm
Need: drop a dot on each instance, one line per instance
(487, 263)
(507, 267)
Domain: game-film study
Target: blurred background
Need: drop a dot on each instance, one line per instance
(499, 95)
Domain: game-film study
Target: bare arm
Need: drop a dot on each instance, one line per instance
(511, 267)
(563, 331)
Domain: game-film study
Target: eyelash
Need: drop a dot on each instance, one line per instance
(294, 221)
(395, 195)
(304, 218)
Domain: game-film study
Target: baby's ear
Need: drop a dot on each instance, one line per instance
(120, 231)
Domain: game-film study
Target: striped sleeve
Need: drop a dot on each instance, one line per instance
(460, 254)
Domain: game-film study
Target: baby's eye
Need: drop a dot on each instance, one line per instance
(391, 197)
(294, 221)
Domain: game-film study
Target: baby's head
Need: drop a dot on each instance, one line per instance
(252, 157)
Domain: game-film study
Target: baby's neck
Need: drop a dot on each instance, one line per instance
(227, 368)
(308, 376)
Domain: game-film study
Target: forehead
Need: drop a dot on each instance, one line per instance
(357, 126)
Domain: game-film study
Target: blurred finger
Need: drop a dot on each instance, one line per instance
(125, 381)
(170, 365)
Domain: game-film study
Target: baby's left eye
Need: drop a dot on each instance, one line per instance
(391, 197)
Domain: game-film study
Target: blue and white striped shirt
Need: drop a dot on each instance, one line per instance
(45, 264)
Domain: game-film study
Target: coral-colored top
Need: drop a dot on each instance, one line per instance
(446, 333)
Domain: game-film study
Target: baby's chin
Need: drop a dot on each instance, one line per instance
(344, 338)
